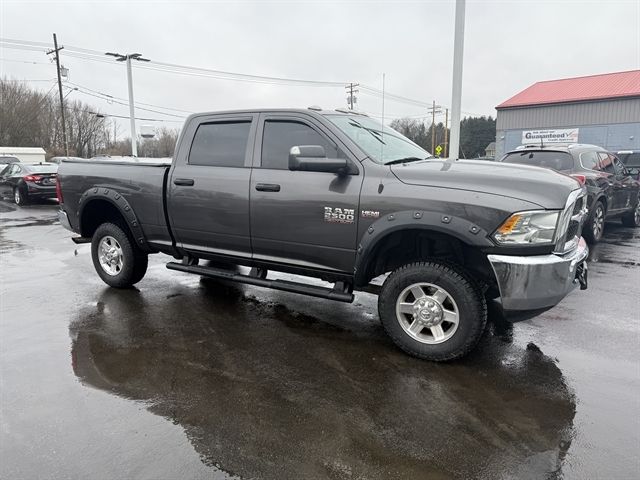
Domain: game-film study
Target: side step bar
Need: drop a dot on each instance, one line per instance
(79, 240)
(340, 292)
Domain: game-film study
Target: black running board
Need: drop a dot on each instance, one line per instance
(284, 285)
(79, 240)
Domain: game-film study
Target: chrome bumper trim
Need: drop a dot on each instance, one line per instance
(64, 220)
(537, 281)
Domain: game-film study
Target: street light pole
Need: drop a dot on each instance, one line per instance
(134, 137)
(122, 58)
(456, 101)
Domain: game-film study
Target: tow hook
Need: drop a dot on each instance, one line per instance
(582, 275)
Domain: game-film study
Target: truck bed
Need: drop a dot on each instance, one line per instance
(140, 181)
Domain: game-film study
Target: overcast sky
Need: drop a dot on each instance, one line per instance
(508, 46)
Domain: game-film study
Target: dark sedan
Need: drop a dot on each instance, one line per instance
(612, 191)
(7, 159)
(28, 181)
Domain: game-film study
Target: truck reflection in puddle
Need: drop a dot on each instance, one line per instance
(263, 391)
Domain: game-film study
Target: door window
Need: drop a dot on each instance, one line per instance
(590, 160)
(606, 162)
(222, 144)
(618, 166)
(280, 135)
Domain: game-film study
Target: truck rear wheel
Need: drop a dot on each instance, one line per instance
(117, 260)
(432, 310)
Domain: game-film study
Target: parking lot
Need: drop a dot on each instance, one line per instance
(188, 378)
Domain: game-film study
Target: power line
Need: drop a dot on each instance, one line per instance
(124, 99)
(95, 55)
(3, 59)
(113, 100)
(172, 67)
(392, 96)
(99, 114)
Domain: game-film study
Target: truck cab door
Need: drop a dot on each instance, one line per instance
(208, 188)
(302, 218)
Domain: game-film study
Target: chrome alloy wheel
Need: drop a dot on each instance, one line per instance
(636, 213)
(598, 221)
(17, 196)
(427, 313)
(110, 255)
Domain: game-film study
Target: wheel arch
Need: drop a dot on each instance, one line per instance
(602, 198)
(411, 236)
(100, 205)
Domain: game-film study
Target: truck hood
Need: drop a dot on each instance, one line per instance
(537, 185)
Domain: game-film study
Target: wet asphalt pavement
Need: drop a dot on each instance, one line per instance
(189, 378)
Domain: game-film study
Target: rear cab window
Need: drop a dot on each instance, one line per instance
(560, 161)
(220, 144)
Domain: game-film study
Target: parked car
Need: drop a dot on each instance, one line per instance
(330, 195)
(612, 192)
(25, 181)
(631, 161)
(59, 160)
(7, 159)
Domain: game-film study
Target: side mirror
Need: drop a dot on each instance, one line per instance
(312, 158)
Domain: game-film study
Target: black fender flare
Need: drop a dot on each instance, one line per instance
(122, 205)
(457, 227)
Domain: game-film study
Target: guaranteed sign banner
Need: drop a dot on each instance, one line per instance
(566, 135)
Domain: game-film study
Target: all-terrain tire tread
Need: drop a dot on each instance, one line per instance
(458, 275)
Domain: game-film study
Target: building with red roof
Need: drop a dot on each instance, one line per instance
(599, 109)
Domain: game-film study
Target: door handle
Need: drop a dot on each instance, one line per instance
(267, 187)
(185, 182)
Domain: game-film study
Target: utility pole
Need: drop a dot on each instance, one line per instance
(122, 58)
(351, 99)
(56, 50)
(434, 109)
(456, 101)
(446, 132)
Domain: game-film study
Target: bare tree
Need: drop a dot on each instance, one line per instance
(30, 118)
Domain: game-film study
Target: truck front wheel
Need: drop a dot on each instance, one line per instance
(432, 310)
(117, 260)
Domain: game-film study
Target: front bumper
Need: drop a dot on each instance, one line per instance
(64, 220)
(539, 281)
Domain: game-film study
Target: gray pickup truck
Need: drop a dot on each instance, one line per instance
(333, 195)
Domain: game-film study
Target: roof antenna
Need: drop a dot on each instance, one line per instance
(382, 133)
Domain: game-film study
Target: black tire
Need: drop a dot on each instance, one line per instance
(594, 226)
(134, 262)
(468, 297)
(20, 197)
(632, 219)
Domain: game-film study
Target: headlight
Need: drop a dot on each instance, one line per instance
(536, 227)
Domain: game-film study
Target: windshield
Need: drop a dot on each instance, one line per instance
(559, 161)
(382, 146)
